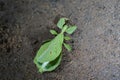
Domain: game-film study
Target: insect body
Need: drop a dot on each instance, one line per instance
(49, 55)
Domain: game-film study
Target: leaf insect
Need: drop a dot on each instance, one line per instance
(49, 55)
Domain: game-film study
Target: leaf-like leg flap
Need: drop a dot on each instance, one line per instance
(71, 29)
(68, 47)
(61, 22)
(53, 32)
(67, 38)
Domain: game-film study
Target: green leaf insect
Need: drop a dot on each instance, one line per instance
(49, 55)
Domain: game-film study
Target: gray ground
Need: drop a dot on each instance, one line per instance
(25, 25)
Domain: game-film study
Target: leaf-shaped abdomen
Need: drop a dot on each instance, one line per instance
(52, 51)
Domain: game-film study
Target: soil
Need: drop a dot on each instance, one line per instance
(25, 24)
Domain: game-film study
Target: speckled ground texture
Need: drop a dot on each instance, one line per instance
(25, 24)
